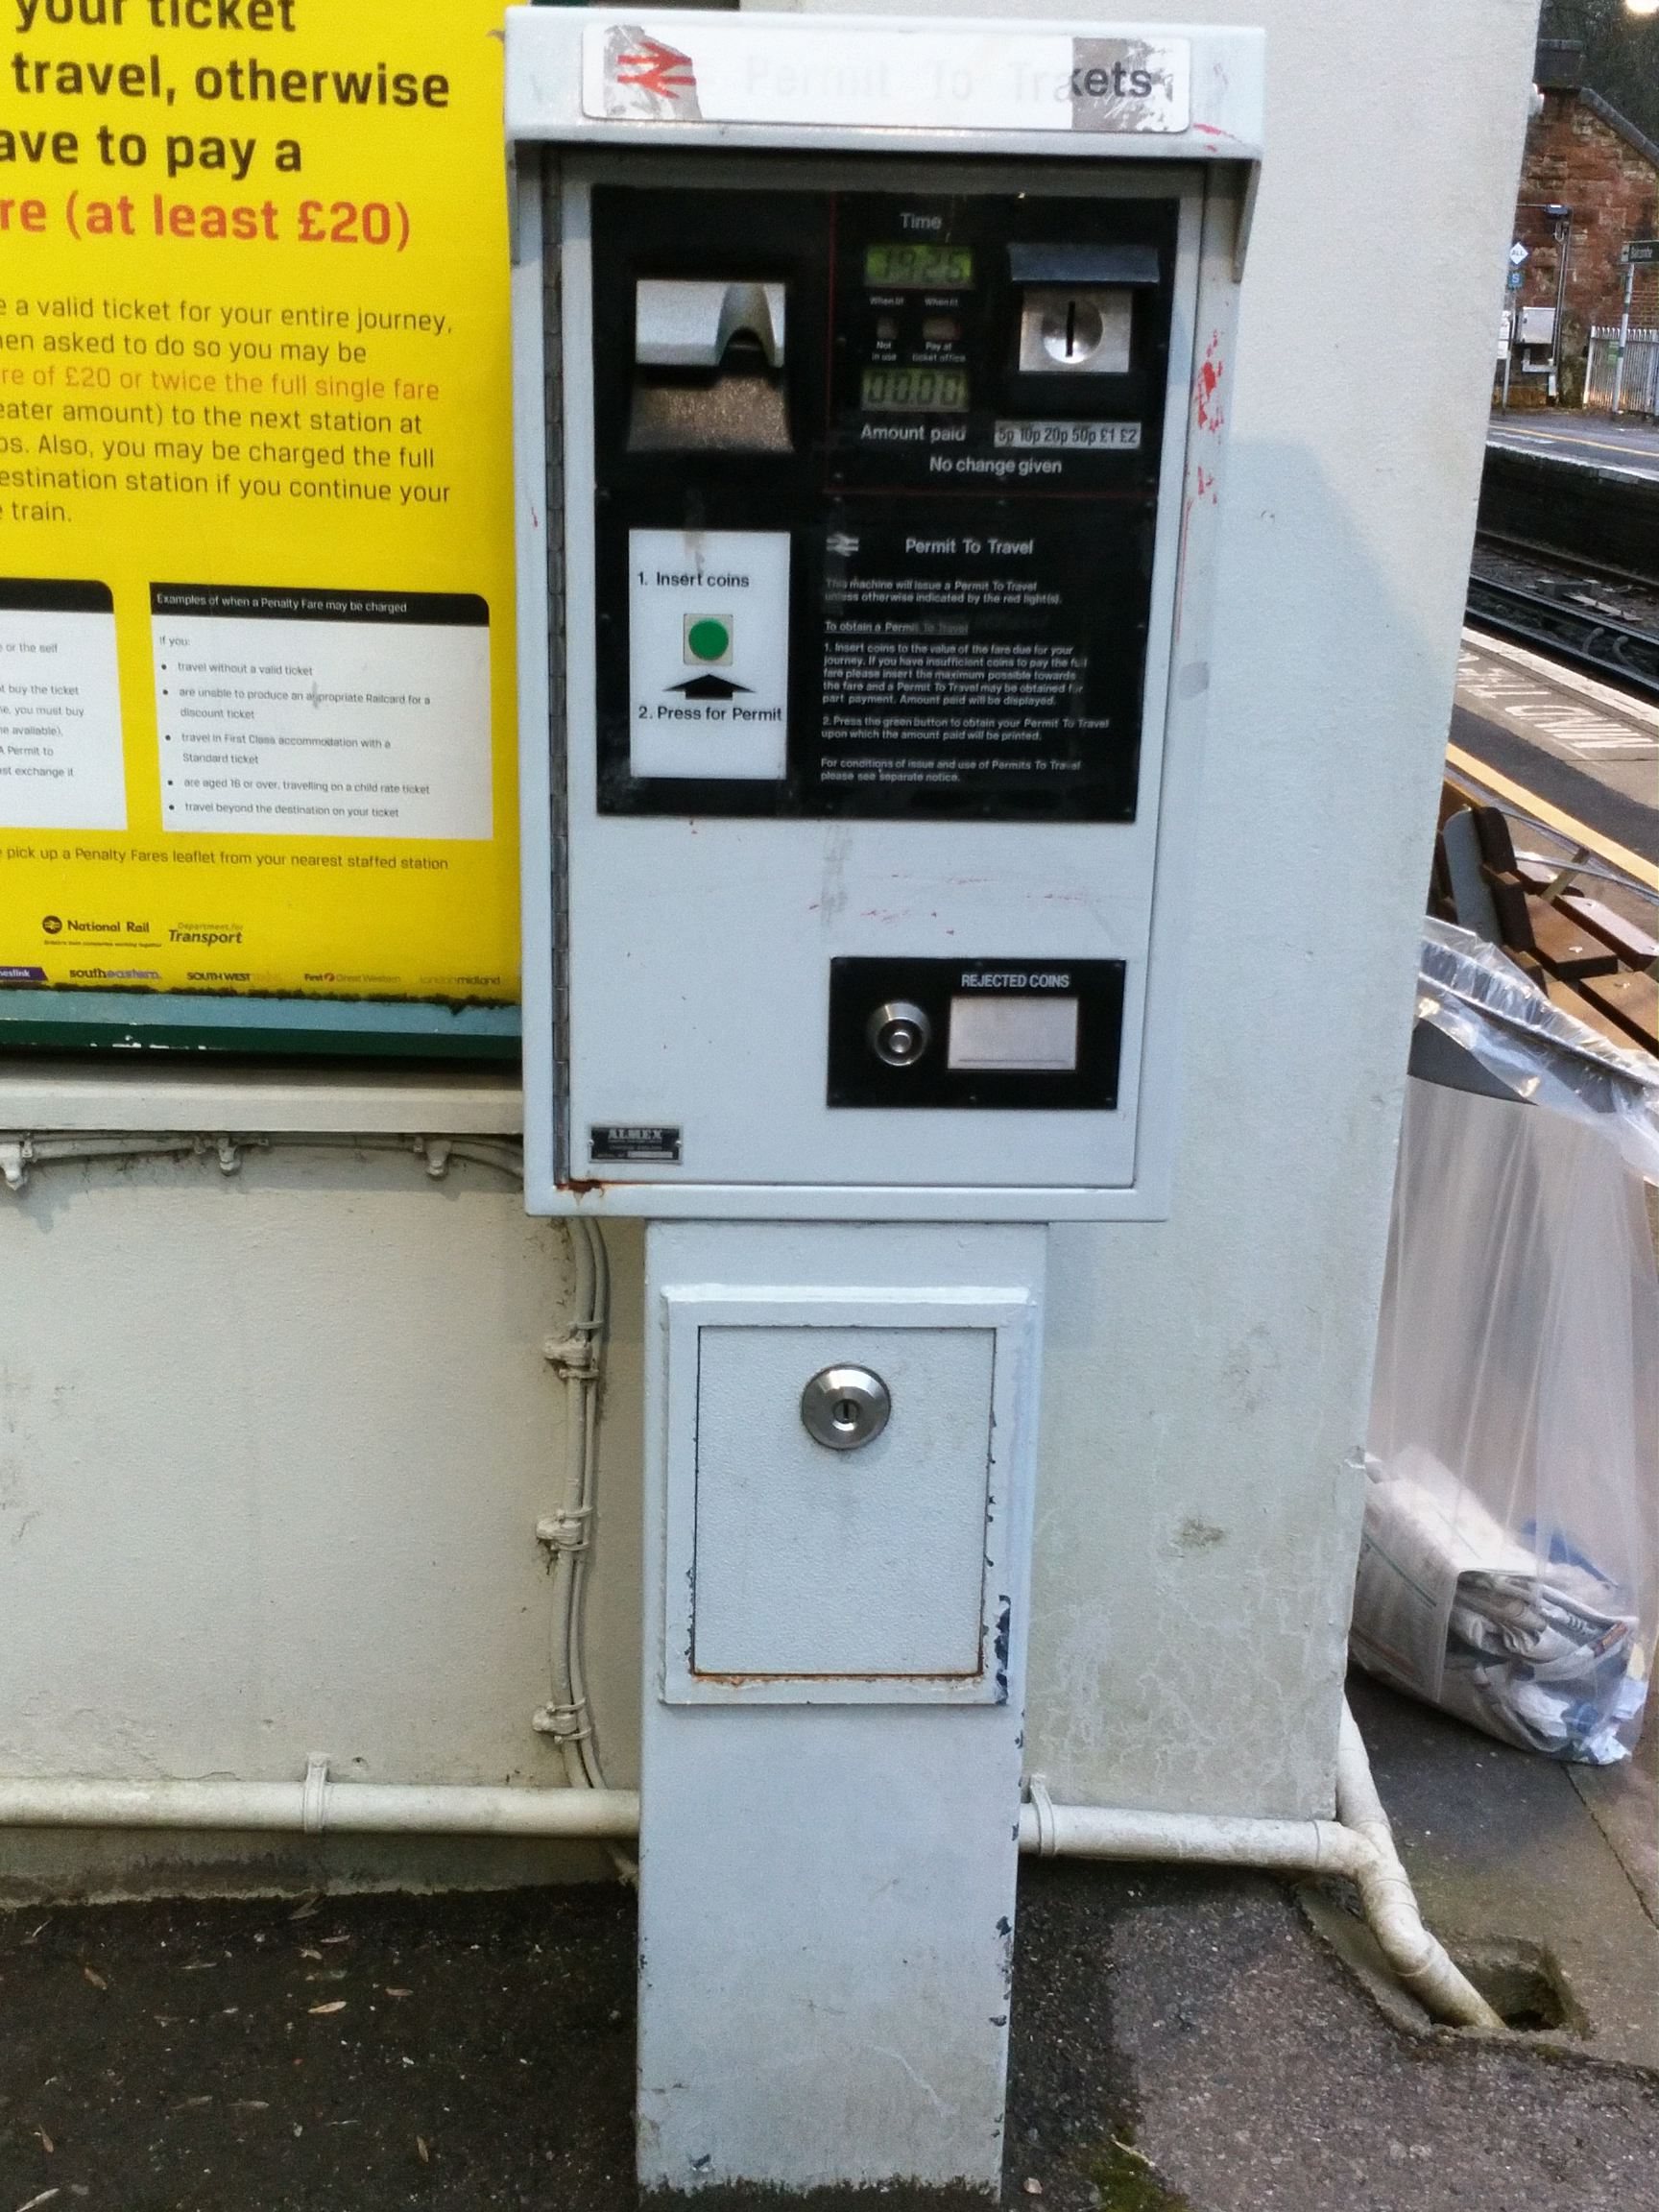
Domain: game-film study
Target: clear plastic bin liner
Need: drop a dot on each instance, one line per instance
(1509, 1568)
(1474, 994)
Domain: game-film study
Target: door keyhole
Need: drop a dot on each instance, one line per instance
(843, 1408)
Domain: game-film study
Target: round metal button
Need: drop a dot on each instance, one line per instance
(845, 1406)
(899, 1033)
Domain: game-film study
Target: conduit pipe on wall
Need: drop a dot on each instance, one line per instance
(21, 1151)
(1360, 1845)
(578, 1358)
(318, 1807)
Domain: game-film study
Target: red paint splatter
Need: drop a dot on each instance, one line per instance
(1210, 416)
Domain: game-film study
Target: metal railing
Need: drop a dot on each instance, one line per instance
(1637, 392)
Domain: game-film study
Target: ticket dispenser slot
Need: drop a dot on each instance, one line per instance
(708, 356)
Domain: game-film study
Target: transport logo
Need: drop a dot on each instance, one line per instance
(646, 80)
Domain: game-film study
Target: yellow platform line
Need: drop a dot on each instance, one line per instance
(1549, 817)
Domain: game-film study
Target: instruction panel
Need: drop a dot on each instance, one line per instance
(880, 503)
(322, 715)
(60, 762)
(708, 640)
(956, 660)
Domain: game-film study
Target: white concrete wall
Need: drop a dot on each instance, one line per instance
(273, 1448)
(273, 1445)
(1208, 1378)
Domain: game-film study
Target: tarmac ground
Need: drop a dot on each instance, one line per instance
(1183, 2042)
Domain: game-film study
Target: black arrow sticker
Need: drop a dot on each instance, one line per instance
(709, 688)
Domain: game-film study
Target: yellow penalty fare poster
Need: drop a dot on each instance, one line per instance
(255, 509)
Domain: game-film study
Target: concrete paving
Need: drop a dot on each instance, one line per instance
(1504, 1849)
(1624, 1803)
(1569, 740)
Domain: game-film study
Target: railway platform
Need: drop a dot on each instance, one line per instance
(1586, 751)
(1628, 446)
(1562, 772)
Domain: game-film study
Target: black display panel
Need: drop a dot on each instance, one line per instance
(984, 1033)
(876, 499)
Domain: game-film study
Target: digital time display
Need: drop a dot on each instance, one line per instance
(907, 266)
(915, 390)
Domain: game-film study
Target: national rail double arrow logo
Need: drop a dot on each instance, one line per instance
(656, 69)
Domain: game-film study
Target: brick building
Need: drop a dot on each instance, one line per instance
(1591, 163)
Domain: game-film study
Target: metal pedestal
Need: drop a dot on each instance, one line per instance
(835, 1637)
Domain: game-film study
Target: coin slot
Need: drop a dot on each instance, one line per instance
(1074, 331)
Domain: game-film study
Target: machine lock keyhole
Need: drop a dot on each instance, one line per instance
(843, 1407)
(899, 1033)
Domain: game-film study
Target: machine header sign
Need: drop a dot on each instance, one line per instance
(885, 84)
(733, 70)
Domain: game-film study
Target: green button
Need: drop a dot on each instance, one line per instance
(708, 640)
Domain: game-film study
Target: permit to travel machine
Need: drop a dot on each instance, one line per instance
(870, 382)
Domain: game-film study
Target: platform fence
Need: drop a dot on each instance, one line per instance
(1639, 393)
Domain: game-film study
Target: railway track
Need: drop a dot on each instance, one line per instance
(1581, 636)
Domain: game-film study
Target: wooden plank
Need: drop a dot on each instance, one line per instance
(1565, 949)
(1572, 1001)
(1635, 948)
(1631, 1000)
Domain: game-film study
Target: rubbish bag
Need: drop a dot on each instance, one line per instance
(1472, 995)
(1509, 1566)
